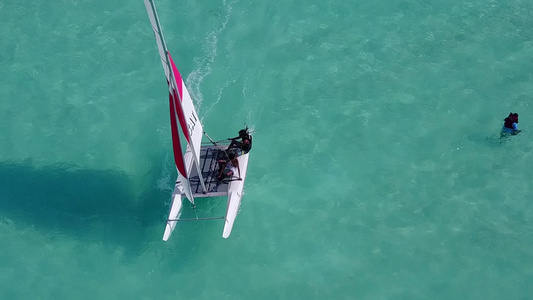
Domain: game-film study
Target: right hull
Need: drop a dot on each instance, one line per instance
(235, 191)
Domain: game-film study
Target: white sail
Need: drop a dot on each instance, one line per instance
(191, 126)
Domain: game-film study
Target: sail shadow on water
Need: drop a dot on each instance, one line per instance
(90, 205)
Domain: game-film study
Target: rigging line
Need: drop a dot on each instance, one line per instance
(206, 212)
(211, 172)
(214, 164)
(195, 212)
(210, 139)
(203, 168)
(223, 180)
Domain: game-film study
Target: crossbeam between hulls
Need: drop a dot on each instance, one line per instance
(196, 219)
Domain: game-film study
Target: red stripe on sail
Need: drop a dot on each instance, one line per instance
(181, 115)
(178, 154)
(177, 76)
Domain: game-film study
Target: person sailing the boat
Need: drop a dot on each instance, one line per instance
(228, 167)
(510, 125)
(244, 145)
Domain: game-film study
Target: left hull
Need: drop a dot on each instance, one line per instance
(175, 211)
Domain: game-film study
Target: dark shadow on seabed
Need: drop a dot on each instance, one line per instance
(91, 205)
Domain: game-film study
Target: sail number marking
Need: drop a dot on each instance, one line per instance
(191, 122)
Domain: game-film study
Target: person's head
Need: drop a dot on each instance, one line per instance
(231, 155)
(243, 133)
(513, 117)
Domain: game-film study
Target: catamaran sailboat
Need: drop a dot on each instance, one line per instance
(198, 165)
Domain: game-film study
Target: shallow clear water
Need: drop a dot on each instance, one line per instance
(377, 170)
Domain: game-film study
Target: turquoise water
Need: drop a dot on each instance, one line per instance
(377, 170)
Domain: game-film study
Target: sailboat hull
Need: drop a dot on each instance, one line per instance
(174, 214)
(232, 189)
(235, 192)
